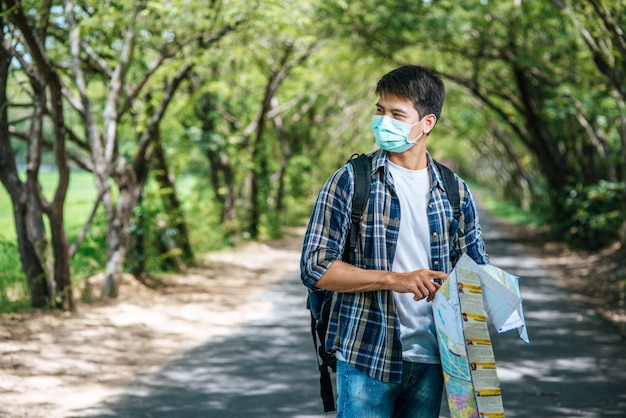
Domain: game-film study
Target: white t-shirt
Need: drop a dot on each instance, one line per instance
(417, 328)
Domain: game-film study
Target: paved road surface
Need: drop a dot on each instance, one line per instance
(574, 367)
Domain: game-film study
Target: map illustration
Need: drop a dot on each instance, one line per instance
(472, 296)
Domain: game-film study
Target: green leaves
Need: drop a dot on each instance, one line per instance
(596, 214)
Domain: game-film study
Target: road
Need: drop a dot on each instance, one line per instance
(575, 365)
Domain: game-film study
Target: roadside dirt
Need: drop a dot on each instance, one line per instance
(599, 277)
(53, 363)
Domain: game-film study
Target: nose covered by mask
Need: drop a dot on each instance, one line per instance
(393, 135)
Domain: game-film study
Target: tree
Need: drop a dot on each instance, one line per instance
(129, 78)
(530, 76)
(113, 70)
(233, 105)
(48, 285)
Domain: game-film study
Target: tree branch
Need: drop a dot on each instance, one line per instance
(83, 233)
(150, 133)
(116, 84)
(84, 107)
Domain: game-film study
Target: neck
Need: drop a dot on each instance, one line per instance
(412, 159)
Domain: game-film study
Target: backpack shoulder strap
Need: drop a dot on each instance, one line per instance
(362, 185)
(319, 303)
(452, 188)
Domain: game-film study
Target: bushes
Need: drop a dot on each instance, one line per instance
(591, 216)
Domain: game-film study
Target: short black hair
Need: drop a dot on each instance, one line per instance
(419, 84)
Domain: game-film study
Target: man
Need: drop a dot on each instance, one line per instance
(381, 326)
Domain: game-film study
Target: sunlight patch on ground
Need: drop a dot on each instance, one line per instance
(54, 365)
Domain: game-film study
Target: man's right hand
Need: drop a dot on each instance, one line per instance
(346, 278)
(419, 282)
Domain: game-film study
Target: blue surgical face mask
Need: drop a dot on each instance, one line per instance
(393, 135)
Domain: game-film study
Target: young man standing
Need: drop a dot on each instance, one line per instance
(381, 325)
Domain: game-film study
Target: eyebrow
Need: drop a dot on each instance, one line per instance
(392, 110)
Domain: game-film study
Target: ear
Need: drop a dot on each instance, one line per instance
(430, 121)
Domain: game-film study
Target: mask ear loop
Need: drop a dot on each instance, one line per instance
(417, 139)
(420, 135)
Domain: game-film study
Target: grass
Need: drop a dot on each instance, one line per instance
(91, 256)
(14, 294)
(507, 211)
(79, 202)
(7, 225)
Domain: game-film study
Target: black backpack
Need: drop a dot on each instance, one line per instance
(319, 302)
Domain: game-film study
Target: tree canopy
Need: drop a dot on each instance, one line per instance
(260, 101)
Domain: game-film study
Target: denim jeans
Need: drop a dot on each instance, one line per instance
(417, 396)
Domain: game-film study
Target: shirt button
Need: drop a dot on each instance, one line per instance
(436, 263)
(430, 206)
(397, 221)
(434, 234)
(391, 247)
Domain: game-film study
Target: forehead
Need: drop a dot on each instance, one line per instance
(391, 102)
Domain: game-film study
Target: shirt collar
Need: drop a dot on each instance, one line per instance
(382, 163)
(435, 177)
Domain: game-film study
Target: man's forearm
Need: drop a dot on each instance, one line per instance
(346, 278)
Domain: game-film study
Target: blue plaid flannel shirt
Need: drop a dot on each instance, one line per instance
(364, 326)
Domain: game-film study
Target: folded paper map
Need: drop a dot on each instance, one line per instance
(472, 296)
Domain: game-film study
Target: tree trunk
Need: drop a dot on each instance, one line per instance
(171, 203)
(28, 219)
(60, 244)
(130, 180)
(116, 239)
(550, 160)
(221, 173)
(29, 224)
(222, 179)
(118, 221)
(116, 253)
(28, 201)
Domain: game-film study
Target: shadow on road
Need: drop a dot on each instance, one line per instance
(574, 367)
(263, 369)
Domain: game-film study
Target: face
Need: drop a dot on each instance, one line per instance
(402, 110)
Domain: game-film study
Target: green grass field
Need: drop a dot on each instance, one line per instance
(81, 198)
(90, 259)
(14, 293)
(78, 204)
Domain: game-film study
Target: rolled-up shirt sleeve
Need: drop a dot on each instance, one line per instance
(325, 236)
